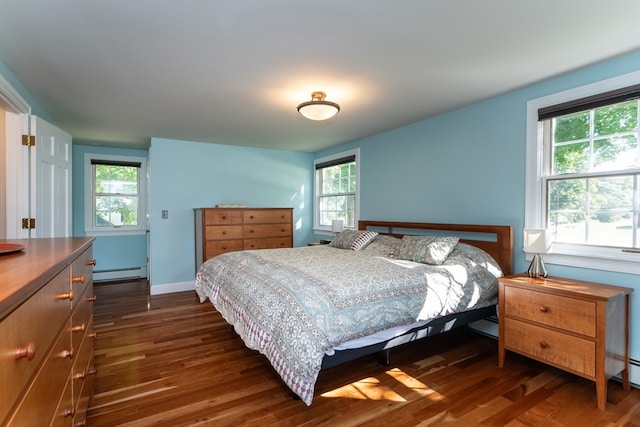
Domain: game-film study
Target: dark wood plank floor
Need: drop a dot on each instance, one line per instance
(168, 360)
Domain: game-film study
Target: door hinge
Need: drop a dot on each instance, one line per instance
(29, 140)
(28, 223)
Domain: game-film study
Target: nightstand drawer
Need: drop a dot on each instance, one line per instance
(563, 350)
(564, 313)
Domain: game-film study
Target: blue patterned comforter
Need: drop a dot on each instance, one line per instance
(293, 305)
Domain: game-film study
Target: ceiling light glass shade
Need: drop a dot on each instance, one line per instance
(318, 108)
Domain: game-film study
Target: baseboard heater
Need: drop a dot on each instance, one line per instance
(120, 274)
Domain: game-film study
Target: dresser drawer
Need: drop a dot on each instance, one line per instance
(222, 217)
(563, 350)
(217, 247)
(267, 216)
(82, 371)
(81, 317)
(81, 274)
(266, 230)
(37, 408)
(34, 325)
(268, 243)
(224, 232)
(565, 313)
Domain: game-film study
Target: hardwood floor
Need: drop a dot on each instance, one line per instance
(168, 360)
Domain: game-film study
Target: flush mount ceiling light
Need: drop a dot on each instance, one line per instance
(318, 108)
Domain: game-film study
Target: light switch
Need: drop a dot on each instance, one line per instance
(165, 214)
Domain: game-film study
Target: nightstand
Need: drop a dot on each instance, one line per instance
(580, 327)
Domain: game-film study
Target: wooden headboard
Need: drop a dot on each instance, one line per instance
(496, 240)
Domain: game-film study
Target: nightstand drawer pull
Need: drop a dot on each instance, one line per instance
(543, 309)
(544, 344)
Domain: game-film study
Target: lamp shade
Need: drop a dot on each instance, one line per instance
(337, 225)
(318, 108)
(537, 240)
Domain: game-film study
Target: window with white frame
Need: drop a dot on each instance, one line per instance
(336, 185)
(115, 194)
(583, 174)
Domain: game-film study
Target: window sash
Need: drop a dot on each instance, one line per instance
(336, 197)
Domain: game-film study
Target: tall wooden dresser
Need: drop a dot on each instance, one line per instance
(46, 332)
(220, 230)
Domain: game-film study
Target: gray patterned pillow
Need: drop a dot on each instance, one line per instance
(353, 239)
(427, 250)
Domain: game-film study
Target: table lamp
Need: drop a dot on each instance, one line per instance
(537, 240)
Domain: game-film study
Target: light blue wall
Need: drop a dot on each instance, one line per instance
(468, 166)
(185, 175)
(110, 252)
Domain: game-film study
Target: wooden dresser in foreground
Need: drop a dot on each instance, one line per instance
(220, 230)
(580, 327)
(46, 332)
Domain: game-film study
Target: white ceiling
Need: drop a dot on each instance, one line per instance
(117, 72)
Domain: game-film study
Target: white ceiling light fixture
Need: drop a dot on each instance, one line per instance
(318, 108)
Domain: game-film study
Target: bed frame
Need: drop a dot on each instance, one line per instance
(497, 240)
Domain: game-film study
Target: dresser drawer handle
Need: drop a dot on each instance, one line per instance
(544, 309)
(250, 231)
(91, 262)
(29, 352)
(224, 217)
(66, 295)
(68, 412)
(92, 298)
(79, 375)
(78, 279)
(81, 423)
(224, 232)
(544, 344)
(66, 354)
(251, 216)
(79, 328)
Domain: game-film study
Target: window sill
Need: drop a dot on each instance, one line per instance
(115, 232)
(625, 263)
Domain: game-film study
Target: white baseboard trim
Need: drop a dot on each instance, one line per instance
(167, 288)
(110, 275)
(489, 327)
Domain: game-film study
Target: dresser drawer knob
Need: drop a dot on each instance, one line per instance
(78, 279)
(251, 216)
(92, 298)
(81, 423)
(544, 309)
(91, 262)
(66, 354)
(29, 352)
(79, 328)
(544, 344)
(68, 412)
(250, 231)
(66, 295)
(224, 232)
(224, 217)
(79, 375)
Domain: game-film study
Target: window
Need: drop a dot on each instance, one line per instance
(583, 174)
(336, 184)
(115, 196)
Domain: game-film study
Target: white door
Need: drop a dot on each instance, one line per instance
(53, 180)
(44, 183)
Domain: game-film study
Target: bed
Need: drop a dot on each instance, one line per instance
(372, 289)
